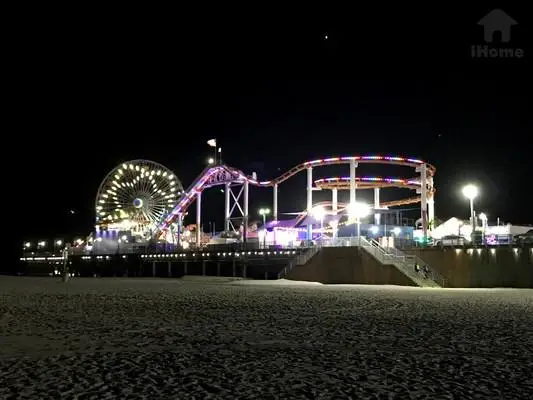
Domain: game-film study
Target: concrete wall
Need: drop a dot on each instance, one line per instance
(482, 267)
(347, 265)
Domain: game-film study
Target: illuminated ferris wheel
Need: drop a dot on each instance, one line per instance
(135, 196)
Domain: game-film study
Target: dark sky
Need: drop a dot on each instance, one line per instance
(96, 91)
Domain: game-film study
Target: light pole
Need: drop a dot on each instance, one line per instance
(264, 212)
(335, 226)
(358, 210)
(318, 213)
(470, 192)
(483, 218)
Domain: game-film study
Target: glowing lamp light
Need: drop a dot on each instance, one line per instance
(318, 212)
(397, 231)
(358, 210)
(59, 242)
(210, 161)
(483, 217)
(374, 230)
(470, 191)
(185, 245)
(27, 245)
(41, 244)
(264, 211)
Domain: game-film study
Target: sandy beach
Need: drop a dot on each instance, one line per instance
(172, 339)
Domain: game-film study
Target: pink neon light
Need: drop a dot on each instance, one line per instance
(186, 200)
(368, 158)
(369, 179)
(395, 158)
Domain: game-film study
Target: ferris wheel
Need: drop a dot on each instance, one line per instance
(136, 196)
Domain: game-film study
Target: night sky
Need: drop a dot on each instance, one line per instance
(97, 91)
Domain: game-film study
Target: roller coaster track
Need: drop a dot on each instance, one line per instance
(343, 183)
(341, 206)
(408, 162)
(221, 174)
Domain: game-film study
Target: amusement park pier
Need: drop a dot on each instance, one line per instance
(141, 207)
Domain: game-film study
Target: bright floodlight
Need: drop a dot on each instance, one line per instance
(470, 192)
(374, 230)
(27, 245)
(124, 237)
(41, 244)
(318, 212)
(483, 217)
(211, 161)
(397, 231)
(264, 211)
(59, 242)
(358, 210)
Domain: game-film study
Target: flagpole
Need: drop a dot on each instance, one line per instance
(213, 143)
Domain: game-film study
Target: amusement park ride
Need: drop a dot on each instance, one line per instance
(141, 200)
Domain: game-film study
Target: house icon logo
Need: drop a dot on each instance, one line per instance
(497, 21)
(496, 24)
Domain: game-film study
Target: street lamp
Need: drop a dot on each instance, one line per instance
(41, 244)
(264, 212)
(335, 226)
(470, 192)
(484, 219)
(27, 245)
(319, 212)
(57, 244)
(210, 161)
(358, 210)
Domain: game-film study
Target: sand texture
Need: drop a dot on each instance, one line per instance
(170, 339)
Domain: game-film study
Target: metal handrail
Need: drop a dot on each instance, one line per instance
(436, 276)
(300, 259)
(403, 262)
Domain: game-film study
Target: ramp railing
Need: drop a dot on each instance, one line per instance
(406, 264)
(300, 259)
